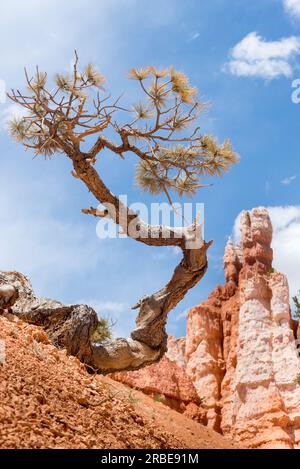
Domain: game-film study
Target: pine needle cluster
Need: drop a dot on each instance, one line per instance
(170, 156)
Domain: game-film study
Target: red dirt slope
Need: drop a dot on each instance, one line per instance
(48, 400)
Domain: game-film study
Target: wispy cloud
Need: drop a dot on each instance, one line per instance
(166, 252)
(10, 112)
(254, 56)
(195, 36)
(288, 180)
(181, 315)
(106, 307)
(292, 7)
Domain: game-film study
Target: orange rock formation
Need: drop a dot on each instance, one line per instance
(240, 351)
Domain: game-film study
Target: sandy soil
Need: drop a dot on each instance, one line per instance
(48, 400)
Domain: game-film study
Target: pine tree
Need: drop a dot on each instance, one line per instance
(73, 115)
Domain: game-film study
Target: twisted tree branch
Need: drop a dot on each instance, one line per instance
(75, 112)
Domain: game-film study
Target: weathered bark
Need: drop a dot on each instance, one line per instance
(148, 341)
(72, 326)
(68, 326)
(129, 221)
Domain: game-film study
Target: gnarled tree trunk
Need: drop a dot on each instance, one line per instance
(72, 326)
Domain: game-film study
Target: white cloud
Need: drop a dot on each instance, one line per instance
(293, 8)
(288, 180)
(256, 57)
(282, 217)
(236, 233)
(286, 226)
(9, 113)
(286, 246)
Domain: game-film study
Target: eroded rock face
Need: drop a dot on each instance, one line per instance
(205, 365)
(240, 351)
(256, 396)
(176, 350)
(168, 383)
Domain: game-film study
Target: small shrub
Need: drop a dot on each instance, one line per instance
(102, 331)
(297, 380)
(159, 397)
(297, 306)
(132, 398)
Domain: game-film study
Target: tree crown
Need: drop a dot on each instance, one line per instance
(158, 129)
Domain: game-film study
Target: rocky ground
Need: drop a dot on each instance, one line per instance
(49, 400)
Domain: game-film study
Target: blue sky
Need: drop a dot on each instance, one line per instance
(243, 57)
